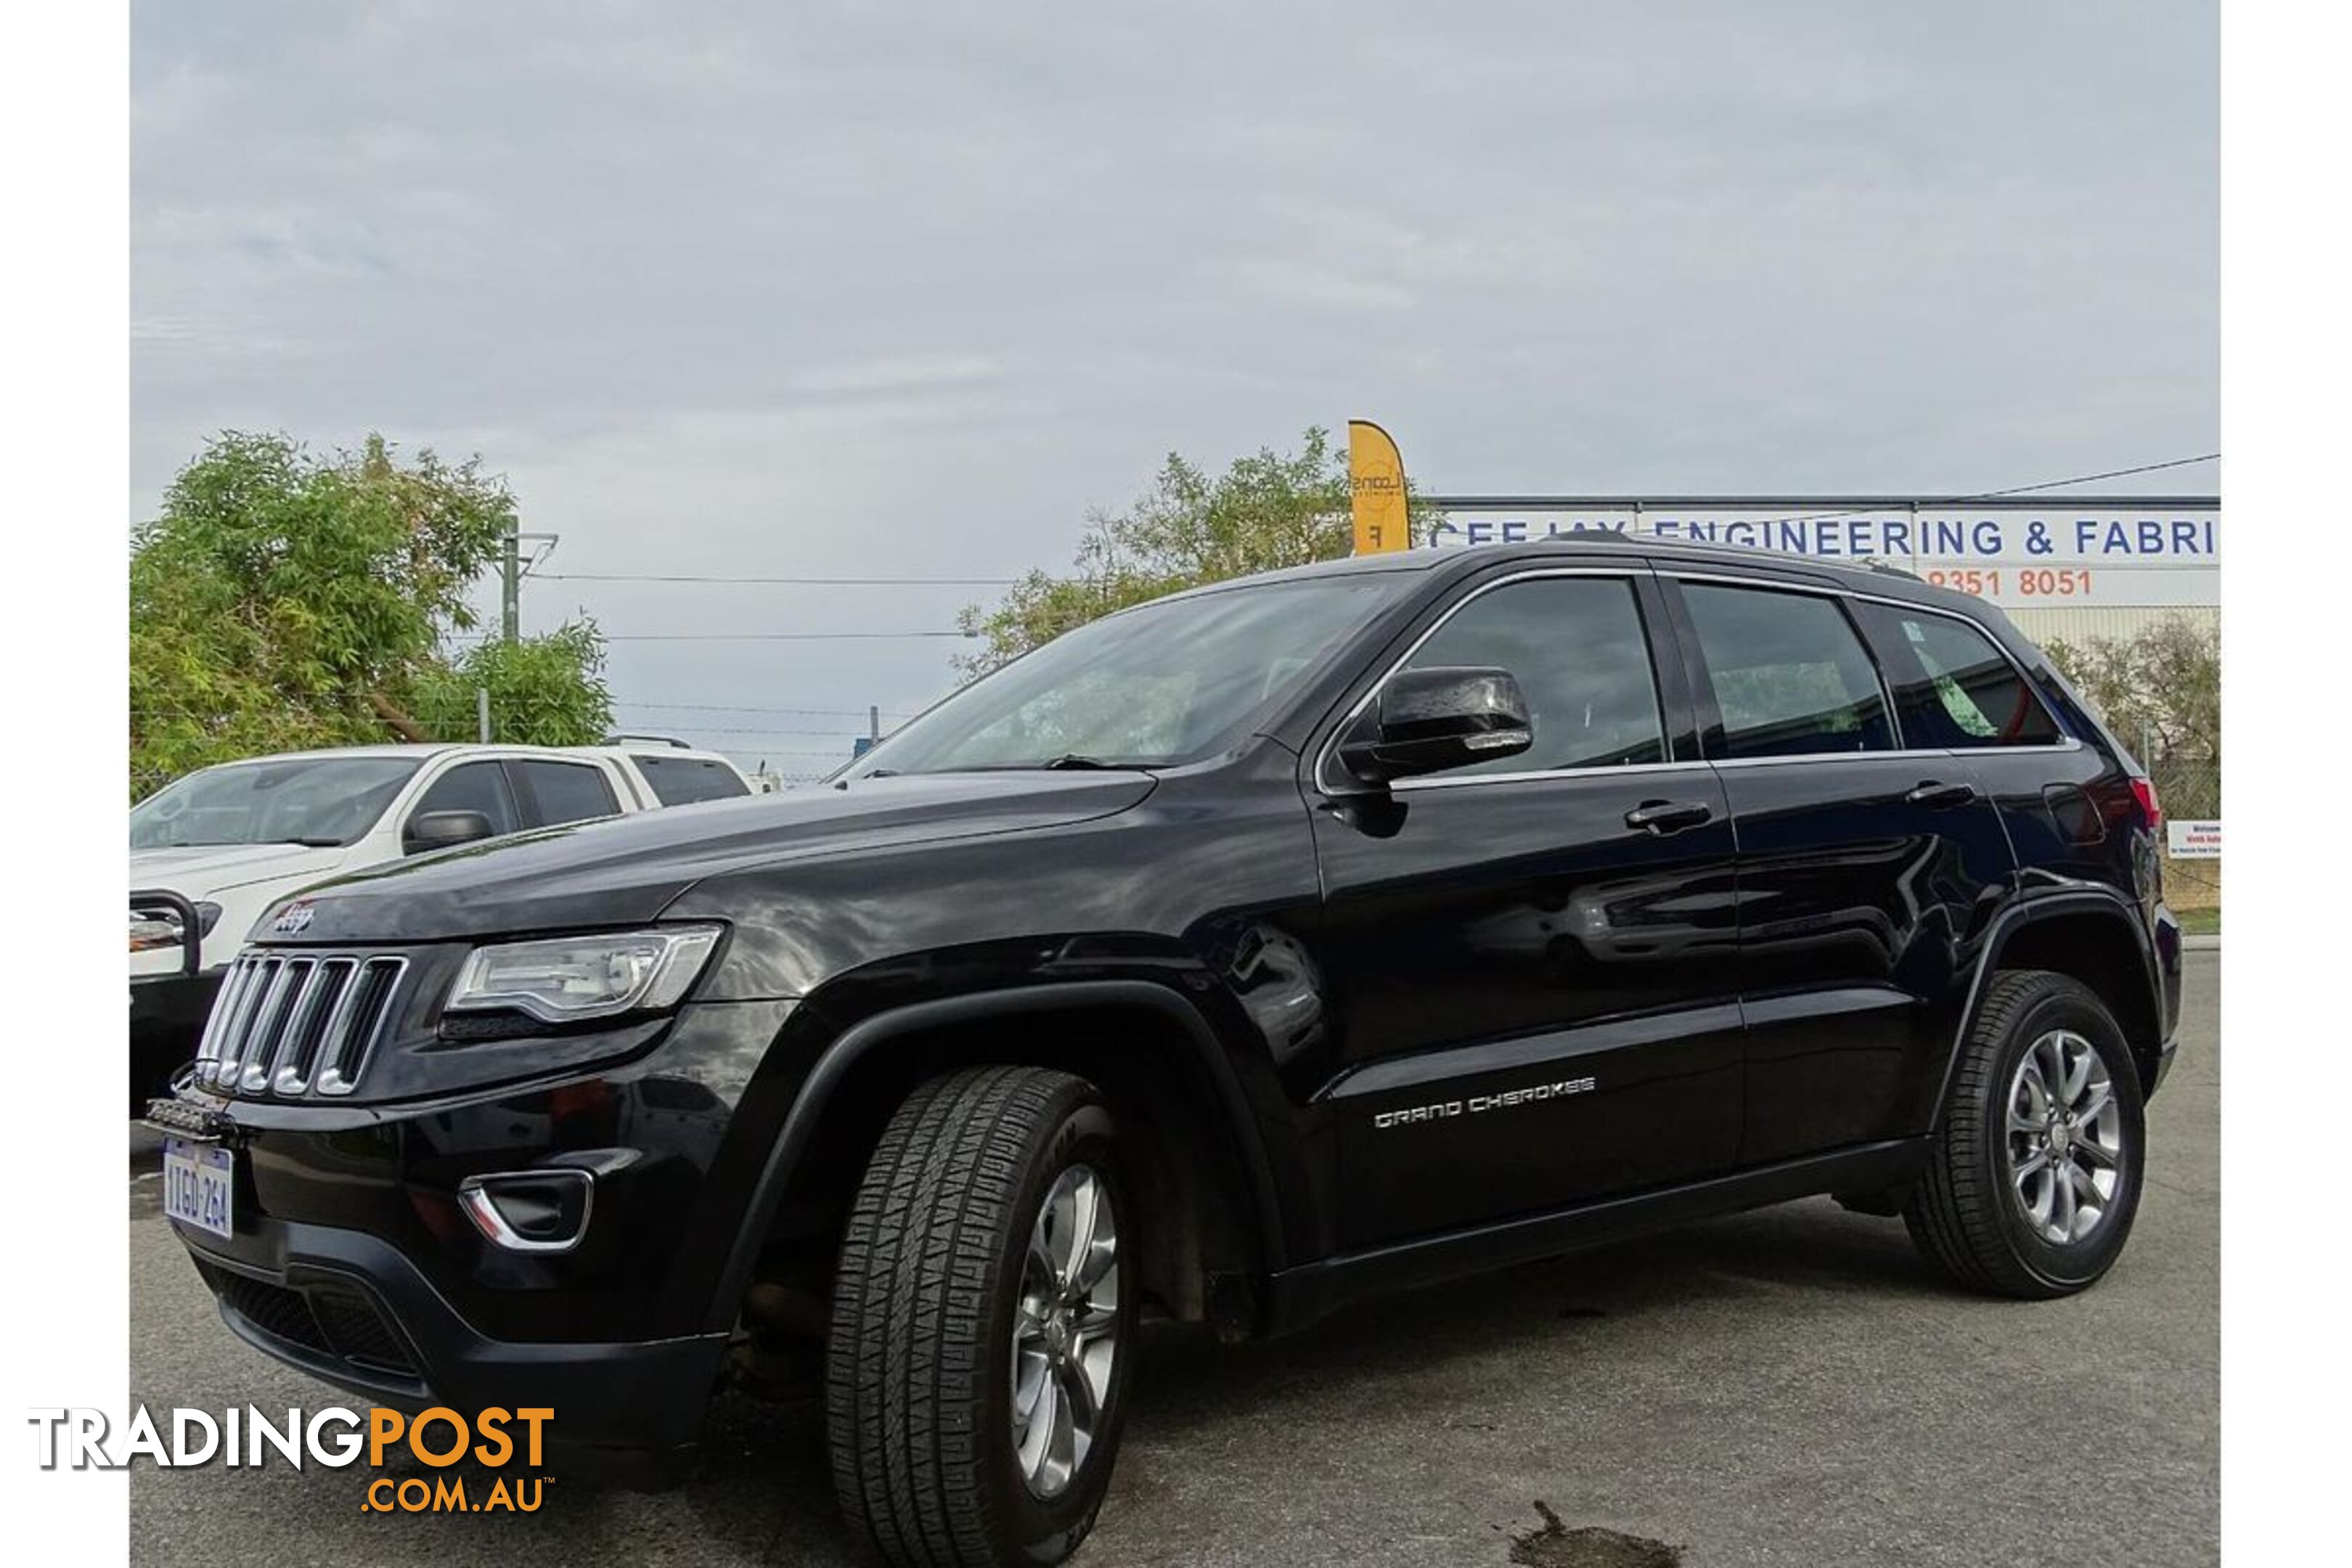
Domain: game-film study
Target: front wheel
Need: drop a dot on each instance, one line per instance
(2035, 1176)
(982, 1325)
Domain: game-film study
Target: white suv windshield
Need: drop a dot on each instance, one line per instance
(1154, 685)
(303, 800)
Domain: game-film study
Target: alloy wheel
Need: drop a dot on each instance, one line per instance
(2065, 1138)
(1065, 1330)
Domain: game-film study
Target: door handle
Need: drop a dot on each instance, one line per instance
(1663, 816)
(1938, 796)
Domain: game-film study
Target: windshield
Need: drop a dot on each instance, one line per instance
(301, 800)
(1157, 684)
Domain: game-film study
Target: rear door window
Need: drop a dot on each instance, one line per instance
(1952, 686)
(566, 791)
(1790, 675)
(682, 781)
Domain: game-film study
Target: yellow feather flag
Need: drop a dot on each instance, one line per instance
(1376, 483)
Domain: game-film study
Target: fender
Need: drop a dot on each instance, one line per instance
(2105, 903)
(872, 1032)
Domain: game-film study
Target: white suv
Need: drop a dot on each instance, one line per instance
(218, 847)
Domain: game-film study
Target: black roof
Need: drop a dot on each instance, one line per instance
(1859, 576)
(1650, 547)
(1699, 551)
(1874, 576)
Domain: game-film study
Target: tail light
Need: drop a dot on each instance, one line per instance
(2143, 791)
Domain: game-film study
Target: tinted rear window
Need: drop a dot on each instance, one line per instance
(1789, 675)
(682, 781)
(567, 791)
(1953, 686)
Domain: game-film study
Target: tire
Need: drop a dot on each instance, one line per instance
(1984, 1213)
(936, 1272)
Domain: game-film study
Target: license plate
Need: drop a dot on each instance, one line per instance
(199, 1184)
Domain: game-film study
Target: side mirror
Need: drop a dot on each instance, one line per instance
(1428, 720)
(442, 830)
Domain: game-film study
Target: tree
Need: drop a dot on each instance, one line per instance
(2160, 691)
(283, 600)
(1266, 510)
(546, 691)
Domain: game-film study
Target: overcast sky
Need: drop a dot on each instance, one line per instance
(800, 290)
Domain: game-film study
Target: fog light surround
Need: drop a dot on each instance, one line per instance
(538, 1211)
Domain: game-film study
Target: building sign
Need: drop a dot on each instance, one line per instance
(2192, 840)
(2106, 551)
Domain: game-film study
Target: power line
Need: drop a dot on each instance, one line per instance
(857, 713)
(844, 734)
(777, 582)
(858, 718)
(737, 637)
(845, 729)
(2024, 489)
(2093, 478)
(1010, 582)
(772, 637)
(839, 756)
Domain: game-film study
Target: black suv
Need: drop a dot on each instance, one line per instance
(1231, 957)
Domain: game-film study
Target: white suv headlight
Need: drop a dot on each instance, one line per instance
(566, 980)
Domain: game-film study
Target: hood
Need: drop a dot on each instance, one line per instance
(200, 871)
(626, 871)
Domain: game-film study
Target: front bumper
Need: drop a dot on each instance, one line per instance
(354, 1258)
(350, 1309)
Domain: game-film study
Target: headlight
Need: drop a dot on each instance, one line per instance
(570, 979)
(153, 927)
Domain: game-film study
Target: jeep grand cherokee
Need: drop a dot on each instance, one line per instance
(1233, 957)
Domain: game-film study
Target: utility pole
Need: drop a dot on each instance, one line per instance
(511, 580)
(510, 585)
(873, 722)
(482, 713)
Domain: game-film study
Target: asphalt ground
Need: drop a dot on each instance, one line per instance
(1789, 1386)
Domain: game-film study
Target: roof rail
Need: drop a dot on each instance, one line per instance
(1607, 536)
(671, 741)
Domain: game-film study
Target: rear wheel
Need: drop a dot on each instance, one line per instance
(2035, 1177)
(981, 1330)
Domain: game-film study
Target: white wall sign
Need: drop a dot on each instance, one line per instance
(2192, 840)
(2081, 552)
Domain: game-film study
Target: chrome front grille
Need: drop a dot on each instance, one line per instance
(291, 1024)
